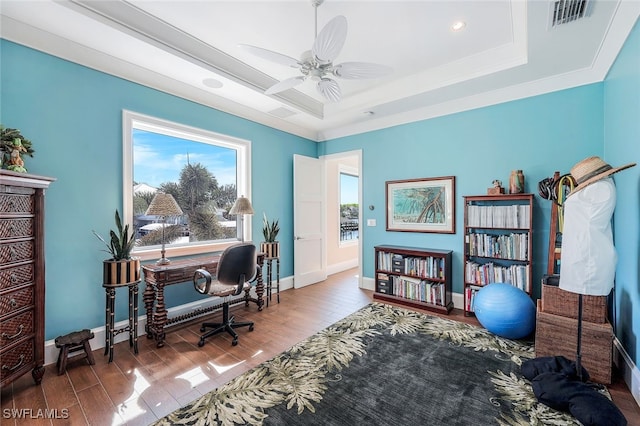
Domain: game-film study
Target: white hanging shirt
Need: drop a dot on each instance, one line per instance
(588, 257)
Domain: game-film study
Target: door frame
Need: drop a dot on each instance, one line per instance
(357, 153)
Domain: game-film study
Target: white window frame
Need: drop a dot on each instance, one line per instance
(351, 171)
(131, 120)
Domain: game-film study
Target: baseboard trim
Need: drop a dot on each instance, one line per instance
(628, 369)
(342, 266)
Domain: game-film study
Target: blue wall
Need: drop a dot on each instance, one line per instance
(73, 116)
(622, 146)
(539, 135)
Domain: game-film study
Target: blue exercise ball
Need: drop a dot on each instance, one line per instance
(505, 310)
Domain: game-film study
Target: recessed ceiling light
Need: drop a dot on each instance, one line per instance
(212, 82)
(458, 26)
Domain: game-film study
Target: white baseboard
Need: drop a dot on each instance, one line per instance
(342, 266)
(629, 370)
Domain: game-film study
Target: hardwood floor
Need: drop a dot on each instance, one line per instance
(137, 390)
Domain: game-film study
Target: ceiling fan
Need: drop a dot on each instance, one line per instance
(317, 64)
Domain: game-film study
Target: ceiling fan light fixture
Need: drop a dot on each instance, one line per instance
(329, 89)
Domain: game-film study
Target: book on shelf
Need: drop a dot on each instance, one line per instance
(483, 274)
(513, 246)
(418, 289)
(469, 297)
(498, 216)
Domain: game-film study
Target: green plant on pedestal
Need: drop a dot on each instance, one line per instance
(270, 229)
(121, 268)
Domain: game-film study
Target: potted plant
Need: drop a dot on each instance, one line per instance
(270, 229)
(121, 268)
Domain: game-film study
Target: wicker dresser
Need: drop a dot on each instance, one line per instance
(21, 275)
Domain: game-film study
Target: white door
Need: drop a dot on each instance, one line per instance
(309, 260)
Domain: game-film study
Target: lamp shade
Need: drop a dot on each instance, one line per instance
(163, 205)
(241, 206)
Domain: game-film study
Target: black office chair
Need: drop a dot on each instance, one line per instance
(236, 268)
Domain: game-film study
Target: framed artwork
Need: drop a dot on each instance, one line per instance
(421, 205)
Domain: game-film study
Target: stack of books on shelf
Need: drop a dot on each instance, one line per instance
(470, 294)
(417, 289)
(424, 267)
(512, 246)
(514, 216)
(483, 274)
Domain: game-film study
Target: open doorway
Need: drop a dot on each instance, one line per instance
(344, 212)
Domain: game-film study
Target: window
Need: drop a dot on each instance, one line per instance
(204, 172)
(349, 220)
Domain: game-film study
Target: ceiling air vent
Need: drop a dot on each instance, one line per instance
(282, 112)
(565, 11)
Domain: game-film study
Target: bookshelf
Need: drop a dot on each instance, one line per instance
(416, 277)
(497, 243)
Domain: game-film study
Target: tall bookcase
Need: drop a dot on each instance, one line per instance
(416, 277)
(497, 243)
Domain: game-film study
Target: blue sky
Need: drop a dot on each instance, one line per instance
(160, 158)
(348, 189)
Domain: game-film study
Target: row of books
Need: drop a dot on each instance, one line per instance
(512, 246)
(514, 216)
(416, 289)
(482, 274)
(469, 298)
(423, 267)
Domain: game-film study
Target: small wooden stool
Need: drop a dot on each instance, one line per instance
(74, 342)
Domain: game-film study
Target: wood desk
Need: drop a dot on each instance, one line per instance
(157, 277)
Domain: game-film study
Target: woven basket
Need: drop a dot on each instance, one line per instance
(557, 301)
(558, 335)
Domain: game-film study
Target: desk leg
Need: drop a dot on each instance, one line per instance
(149, 297)
(160, 316)
(259, 288)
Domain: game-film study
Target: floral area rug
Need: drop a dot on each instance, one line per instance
(382, 365)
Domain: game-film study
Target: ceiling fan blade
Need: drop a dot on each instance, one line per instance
(329, 89)
(357, 70)
(329, 42)
(270, 55)
(284, 85)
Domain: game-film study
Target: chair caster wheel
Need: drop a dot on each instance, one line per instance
(201, 343)
(202, 329)
(234, 343)
(250, 328)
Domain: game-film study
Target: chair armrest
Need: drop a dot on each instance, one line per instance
(202, 287)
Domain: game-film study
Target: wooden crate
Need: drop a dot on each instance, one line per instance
(557, 335)
(557, 301)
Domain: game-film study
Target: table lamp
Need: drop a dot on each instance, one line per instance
(163, 205)
(241, 207)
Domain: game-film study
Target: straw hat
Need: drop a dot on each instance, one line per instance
(591, 170)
